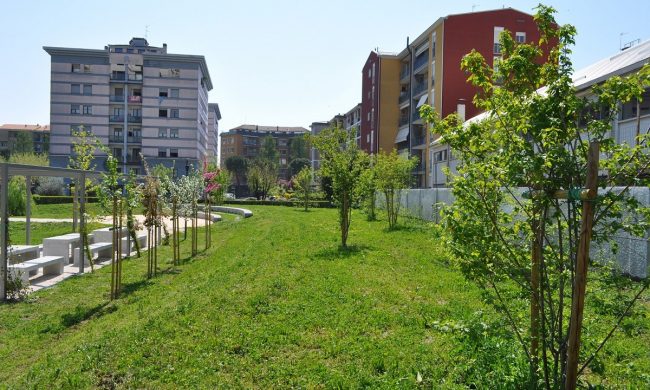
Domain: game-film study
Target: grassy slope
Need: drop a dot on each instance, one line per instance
(272, 304)
(63, 210)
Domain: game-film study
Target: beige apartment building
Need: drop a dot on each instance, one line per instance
(246, 141)
(38, 135)
(137, 99)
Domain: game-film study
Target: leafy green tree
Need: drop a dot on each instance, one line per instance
(393, 173)
(523, 252)
(238, 166)
(269, 151)
(262, 175)
(344, 163)
(296, 165)
(24, 143)
(298, 149)
(367, 189)
(302, 185)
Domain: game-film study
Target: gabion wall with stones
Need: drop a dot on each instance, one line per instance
(632, 252)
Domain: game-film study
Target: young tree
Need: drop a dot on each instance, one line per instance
(367, 189)
(344, 163)
(393, 173)
(302, 185)
(529, 254)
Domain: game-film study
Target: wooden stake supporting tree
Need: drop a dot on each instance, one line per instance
(150, 199)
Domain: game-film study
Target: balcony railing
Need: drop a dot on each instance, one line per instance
(116, 98)
(418, 139)
(416, 115)
(121, 76)
(135, 99)
(405, 73)
(403, 120)
(120, 139)
(404, 96)
(133, 159)
(130, 118)
(421, 60)
(421, 87)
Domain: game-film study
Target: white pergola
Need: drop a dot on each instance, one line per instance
(7, 170)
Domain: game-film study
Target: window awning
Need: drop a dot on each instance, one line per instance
(402, 135)
(423, 100)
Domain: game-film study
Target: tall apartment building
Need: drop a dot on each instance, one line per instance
(246, 141)
(9, 137)
(214, 116)
(428, 71)
(137, 99)
(350, 120)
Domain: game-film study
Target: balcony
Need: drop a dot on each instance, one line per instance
(404, 97)
(120, 139)
(135, 99)
(403, 120)
(405, 73)
(418, 140)
(120, 118)
(133, 159)
(416, 116)
(420, 61)
(116, 98)
(419, 88)
(497, 48)
(121, 76)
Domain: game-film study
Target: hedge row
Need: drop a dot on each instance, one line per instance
(60, 199)
(289, 203)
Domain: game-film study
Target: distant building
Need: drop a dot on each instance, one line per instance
(214, 116)
(347, 121)
(135, 98)
(10, 138)
(246, 141)
(395, 86)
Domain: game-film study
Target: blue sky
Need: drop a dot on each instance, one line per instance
(271, 62)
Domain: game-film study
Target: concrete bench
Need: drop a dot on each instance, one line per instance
(106, 234)
(50, 264)
(142, 240)
(233, 210)
(101, 249)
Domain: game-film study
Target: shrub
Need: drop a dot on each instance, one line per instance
(50, 186)
(17, 201)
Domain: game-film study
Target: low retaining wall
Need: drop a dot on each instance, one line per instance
(633, 252)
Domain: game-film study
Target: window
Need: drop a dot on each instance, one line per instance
(173, 133)
(173, 152)
(88, 89)
(76, 68)
(440, 156)
(86, 68)
(78, 128)
(117, 152)
(520, 37)
(119, 92)
(88, 109)
(117, 132)
(174, 92)
(174, 113)
(117, 111)
(162, 152)
(283, 152)
(162, 113)
(162, 92)
(162, 133)
(75, 109)
(282, 142)
(117, 50)
(75, 89)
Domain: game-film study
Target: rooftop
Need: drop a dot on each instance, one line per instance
(15, 127)
(269, 129)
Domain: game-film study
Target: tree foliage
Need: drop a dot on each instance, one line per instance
(302, 185)
(262, 175)
(538, 139)
(298, 149)
(238, 166)
(24, 143)
(296, 165)
(393, 173)
(344, 163)
(269, 151)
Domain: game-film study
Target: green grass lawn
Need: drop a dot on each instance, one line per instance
(274, 303)
(63, 210)
(39, 231)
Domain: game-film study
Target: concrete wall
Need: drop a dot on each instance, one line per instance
(633, 253)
